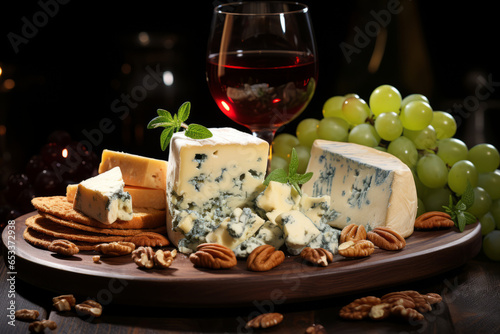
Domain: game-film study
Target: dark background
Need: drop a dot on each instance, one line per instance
(85, 56)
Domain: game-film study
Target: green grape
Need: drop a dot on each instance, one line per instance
(491, 245)
(444, 124)
(278, 162)
(385, 98)
(283, 144)
(355, 110)
(432, 171)
(422, 190)
(423, 139)
(458, 175)
(388, 126)
(436, 199)
(404, 149)
(495, 211)
(452, 150)
(333, 107)
(420, 208)
(416, 115)
(491, 183)
(485, 157)
(364, 134)
(482, 202)
(413, 97)
(303, 154)
(487, 223)
(333, 128)
(307, 131)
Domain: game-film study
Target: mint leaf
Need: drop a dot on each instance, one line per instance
(184, 111)
(470, 218)
(174, 124)
(197, 131)
(468, 196)
(461, 221)
(294, 163)
(165, 137)
(278, 175)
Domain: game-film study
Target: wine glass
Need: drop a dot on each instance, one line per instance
(261, 63)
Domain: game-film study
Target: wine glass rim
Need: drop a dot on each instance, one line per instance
(303, 8)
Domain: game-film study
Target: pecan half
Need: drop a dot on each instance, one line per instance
(116, 248)
(380, 311)
(39, 326)
(89, 307)
(144, 257)
(433, 298)
(398, 298)
(164, 258)
(64, 302)
(316, 329)
(352, 232)
(355, 249)
(265, 320)
(359, 308)
(27, 315)
(214, 256)
(421, 303)
(407, 313)
(63, 247)
(149, 239)
(317, 256)
(386, 238)
(433, 220)
(264, 258)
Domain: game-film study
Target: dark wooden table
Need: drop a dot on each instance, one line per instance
(471, 304)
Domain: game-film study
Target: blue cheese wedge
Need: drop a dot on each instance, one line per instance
(102, 197)
(366, 186)
(209, 178)
(298, 230)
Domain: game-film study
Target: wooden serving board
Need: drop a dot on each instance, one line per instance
(119, 280)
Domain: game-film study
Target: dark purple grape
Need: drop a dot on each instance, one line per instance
(34, 167)
(60, 137)
(52, 152)
(47, 183)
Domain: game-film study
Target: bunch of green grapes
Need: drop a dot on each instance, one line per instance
(419, 136)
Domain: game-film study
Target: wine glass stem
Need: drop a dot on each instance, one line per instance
(267, 135)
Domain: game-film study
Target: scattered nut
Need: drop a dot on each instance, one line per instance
(265, 320)
(144, 257)
(380, 311)
(359, 308)
(352, 232)
(421, 303)
(116, 248)
(26, 315)
(317, 256)
(398, 298)
(433, 220)
(39, 326)
(89, 307)
(64, 302)
(164, 258)
(96, 258)
(433, 298)
(149, 239)
(386, 238)
(316, 329)
(407, 313)
(264, 258)
(356, 249)
(63, 247)
(214, 256)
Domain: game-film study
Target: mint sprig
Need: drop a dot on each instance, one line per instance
(173, 124)
(458, 212)
(292, 177)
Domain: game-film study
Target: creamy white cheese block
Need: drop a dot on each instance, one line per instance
(298, 230)
(208, 178)
(102, 197)
(366, 186)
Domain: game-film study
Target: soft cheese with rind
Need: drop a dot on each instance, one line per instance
(209, 178)
(366, 186)
(102, 197)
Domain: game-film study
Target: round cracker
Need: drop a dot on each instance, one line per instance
(48, 227)
(107, 231)
(59, 206)
(41, 240)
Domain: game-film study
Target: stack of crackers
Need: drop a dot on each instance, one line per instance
(56, 219)
(144, 178)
